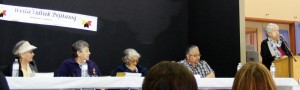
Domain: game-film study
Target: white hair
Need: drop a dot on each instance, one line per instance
(129, 53)
(271, 26)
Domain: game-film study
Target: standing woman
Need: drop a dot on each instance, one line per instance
(273, 47)
(72, 67)
(130, 64)
(24, 53)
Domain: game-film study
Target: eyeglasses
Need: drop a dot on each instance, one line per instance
(134, 60)
(195, 55)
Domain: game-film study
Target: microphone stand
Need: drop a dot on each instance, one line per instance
(289, 54)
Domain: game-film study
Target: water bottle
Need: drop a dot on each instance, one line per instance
(84, 69)
(15, 68)
(272, 69)
(239, 66)
(84, 73)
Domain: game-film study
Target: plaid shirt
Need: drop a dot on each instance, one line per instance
(202, 68)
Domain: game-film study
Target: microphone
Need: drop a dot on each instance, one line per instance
(281, 37)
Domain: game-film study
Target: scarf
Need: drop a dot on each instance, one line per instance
(273, 47)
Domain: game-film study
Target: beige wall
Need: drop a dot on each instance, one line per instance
(273, 9)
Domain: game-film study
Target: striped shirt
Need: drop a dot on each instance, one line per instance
(202, 68)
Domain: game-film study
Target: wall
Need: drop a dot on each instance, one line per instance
(273, 9)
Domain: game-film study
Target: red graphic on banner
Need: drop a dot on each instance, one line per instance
(86, 24)
(2, 13)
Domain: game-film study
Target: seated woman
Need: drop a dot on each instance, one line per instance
(253, 76)
(168, 75)
(24, 53)
(130, 64)
(72, 67)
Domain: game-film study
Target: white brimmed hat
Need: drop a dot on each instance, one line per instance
(23, 46)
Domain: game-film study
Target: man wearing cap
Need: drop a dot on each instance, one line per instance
(24, 53)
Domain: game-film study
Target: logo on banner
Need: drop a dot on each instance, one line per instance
(86, 24)
(2, 13)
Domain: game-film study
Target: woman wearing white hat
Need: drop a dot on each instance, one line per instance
(24, 53)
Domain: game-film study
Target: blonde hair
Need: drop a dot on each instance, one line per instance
(253, 76)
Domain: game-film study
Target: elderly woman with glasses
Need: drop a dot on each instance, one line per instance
(130, 64)
(273, 47)
(23, 51)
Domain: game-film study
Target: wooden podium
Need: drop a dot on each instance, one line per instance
(282, 68)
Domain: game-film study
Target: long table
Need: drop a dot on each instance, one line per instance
(123, 83)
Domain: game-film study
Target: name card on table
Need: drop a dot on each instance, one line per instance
(128, 74)
(48, 74)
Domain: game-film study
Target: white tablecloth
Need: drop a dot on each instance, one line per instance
(123, 82)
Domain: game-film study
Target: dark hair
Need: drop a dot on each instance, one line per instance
(77, 46)
(253, 76)
(189, 48)
(168, 75)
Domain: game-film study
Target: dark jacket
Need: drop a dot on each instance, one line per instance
(3, 82)
(265, 53)
(70, 68)
(124, 68)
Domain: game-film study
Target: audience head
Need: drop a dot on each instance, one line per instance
(272, 31)
(81, 50)
(193, 54)
(131, 56)
(24, 50)
(253, 76)
(168, 75)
